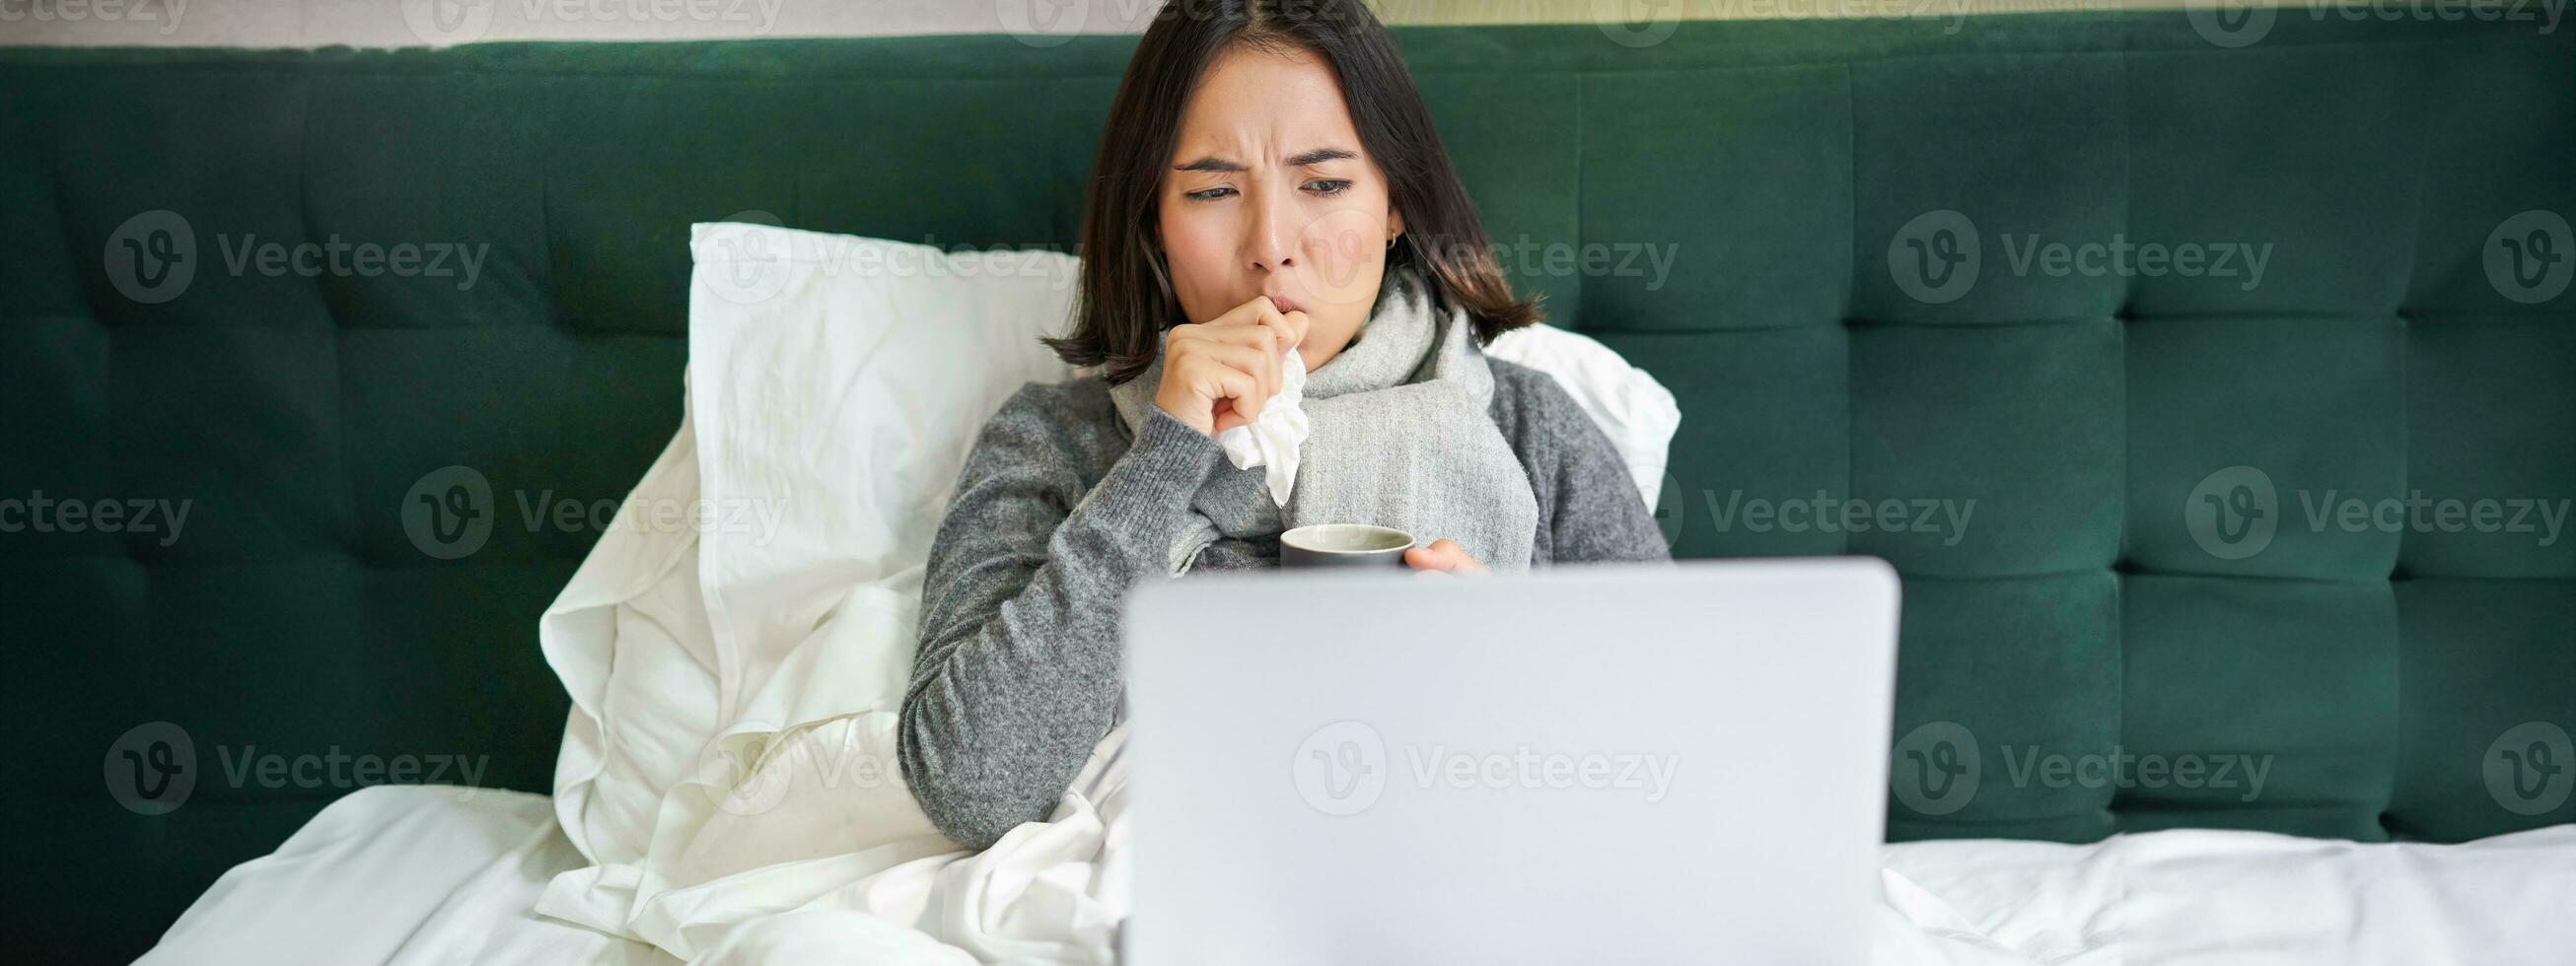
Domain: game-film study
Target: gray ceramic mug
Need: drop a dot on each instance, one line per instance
(1343, 545)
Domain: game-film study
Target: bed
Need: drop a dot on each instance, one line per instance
(424, 874)
(2396, 676)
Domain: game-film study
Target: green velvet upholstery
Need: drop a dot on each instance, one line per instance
(2076, 613)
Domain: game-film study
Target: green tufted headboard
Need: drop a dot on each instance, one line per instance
(2119, 493)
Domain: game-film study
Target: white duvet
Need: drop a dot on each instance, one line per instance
(431, 875)
(736, 677)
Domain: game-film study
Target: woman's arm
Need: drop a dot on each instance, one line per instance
(1591, 508)
(1018, 674)
(1600, 517)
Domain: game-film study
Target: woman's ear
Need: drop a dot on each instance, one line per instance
(1394, 222)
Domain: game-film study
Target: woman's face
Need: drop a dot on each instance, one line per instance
(1271, 194)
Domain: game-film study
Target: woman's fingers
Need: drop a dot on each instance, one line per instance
(1252, 361)
(1274, 334)
(1443, 556)
(1251, 341)
(1245, 349)
(1261, 312)
(1226, 389)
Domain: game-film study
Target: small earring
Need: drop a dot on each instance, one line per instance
(1390, 241)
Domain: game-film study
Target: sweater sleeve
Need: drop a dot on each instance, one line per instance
(1594, 513)
(1018, 672)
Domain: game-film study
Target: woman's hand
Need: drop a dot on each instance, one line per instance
(1443, 556)
(1218, 373)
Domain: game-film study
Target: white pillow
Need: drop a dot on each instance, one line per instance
(834, 386)
(1637, 412)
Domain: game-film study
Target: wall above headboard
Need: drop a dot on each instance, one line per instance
(439, 23)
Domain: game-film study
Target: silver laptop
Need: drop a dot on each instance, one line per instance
(1681, 763)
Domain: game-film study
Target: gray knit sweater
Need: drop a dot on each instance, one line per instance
(1058, 511)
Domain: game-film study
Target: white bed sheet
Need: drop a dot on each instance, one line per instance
(415, 876)
(2212, 898)
(407, 875)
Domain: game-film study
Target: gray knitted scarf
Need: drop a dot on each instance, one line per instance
(1399, 436)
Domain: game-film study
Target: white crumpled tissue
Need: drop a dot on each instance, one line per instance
(1271, 439)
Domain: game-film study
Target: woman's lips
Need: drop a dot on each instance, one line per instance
(1285, 304)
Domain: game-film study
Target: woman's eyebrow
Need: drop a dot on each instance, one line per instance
(1216, 165)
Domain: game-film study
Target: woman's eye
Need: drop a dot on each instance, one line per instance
(1209, 194)
(1330, 188)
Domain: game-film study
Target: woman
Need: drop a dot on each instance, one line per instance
(1271, 174)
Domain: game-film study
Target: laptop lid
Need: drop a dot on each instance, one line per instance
(1653, 763)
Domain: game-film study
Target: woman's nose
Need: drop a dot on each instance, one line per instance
(1277, 229)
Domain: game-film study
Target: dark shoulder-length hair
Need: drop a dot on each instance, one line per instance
(1126, 298)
